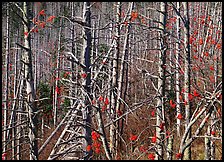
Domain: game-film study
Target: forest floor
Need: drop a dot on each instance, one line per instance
(47, 150)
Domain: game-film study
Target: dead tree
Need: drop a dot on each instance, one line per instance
(28, 76)
(87, 109)
(160, 118)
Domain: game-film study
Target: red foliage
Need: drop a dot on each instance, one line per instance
(195, 57)
(88, 148)
(181, 98)
(133, 137)
(213, 133)
(26, 34)
(42, 13)
(106, 102)
(95, 135)
(142, 148)
(96, 144)
(42, 25)
(57, 90)
(200, 41)
(104, 107)
(100, 98)
(93, 102)
(196, 94)
(191, 39)
(97, 151)
(190, 96)
(50, 18)
(84, 75)
(178, 155)
(172, 105)
(153, 140)
(134, 15)
(206, 54)
(153, 113)
(36, 30)
(151, 156)
(218, 46)
(211, 68)
(213, 42)
(179, 116)
(4, 156)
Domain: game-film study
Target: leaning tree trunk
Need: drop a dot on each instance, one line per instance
(161, 81)
(28, 74)
(87, 81)
(187, 153)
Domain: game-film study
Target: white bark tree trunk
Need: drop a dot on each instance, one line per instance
(187, 153)
(31, 96)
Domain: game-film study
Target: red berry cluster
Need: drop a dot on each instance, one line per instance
(96, 146)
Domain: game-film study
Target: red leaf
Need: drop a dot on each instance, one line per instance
(172, 105)
(153, 140)
(97, 150)
(151, 156)
(50, 18)
(196, 94)
(133, 137)
(179, 116)
(95, 135)
(106, 102)
(93, 102)
(142, 148)
(211, 68)
(206, 54)
(88, 148)
(195, 57)
(190, 96)
(179, 155)
(42, 25)
(84, 75)
(213, 132)
(161, 126)
(213, 42)
(57, 90)
(42, 13)
(200, 41)
(100, 98)
(26, 34)
(153, 113)
(134, 15)
(104, 108)
(218, 46)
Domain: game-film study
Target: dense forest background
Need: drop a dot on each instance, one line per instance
(112, 80)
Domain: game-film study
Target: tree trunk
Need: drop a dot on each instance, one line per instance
(87, 81)
(161, 82)
(57, 87)
(113, 112)
(178, 70)
(5, 112)
(187, 153)
(28, 74)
